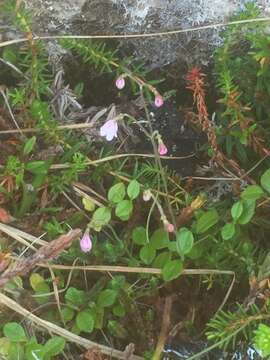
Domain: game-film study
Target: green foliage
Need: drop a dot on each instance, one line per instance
(106, 60)
(117, 193)
(227, 327)
(265, 180)
(172, 270)
(184, 241)
(16, 345)
(262, 339)
(228, 232)
(14, 332)
(206, 221)
(242, 70)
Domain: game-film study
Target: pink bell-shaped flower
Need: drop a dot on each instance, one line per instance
(109, 130)
(162, 148)
(159, 100)
(86, 242)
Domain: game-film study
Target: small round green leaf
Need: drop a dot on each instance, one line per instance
(88, 204)
(117, 193)
(16, 351)
(85, 321)
(68, 314)
(36, 279)
(14, 332)
(34, 351)
(133, 189)
(29, 145)
(237, 210)
(206, 221)
(252, 192)
(42, 290)
(147, 254)
(139, 235)
(124, 209)
(162, 259)
(54, 346)
(249, 207)
(101, 217)
(106, 298)
(159, 239)
(184, 241)
(228, 231)
(75, 296)
(265, 180)
(119, 310)
(172, 270)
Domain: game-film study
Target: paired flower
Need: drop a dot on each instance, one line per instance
(109, 130)
(86, 242)
(120, 82)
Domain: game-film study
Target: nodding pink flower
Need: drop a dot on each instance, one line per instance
(159, 100)
(169, 227)
(109, 130)
(86, 242)
(120, 83)
(162, 148)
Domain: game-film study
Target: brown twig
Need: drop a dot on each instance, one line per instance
(55, 329)
(166, 320)
(45, 253)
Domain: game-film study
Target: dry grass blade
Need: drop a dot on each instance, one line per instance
(45, 253)
(144, 35)
(55, 329)
(21, 236)
(136, 270)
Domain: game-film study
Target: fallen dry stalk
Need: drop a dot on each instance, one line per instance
(136, 270)
(139, 35)
(55, 329)
(45, 253)
(166, 320)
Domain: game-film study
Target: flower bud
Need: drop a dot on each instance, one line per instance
(147, 195)
(120, 83)
(86, 242)
(159, 100)
(162, 148)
